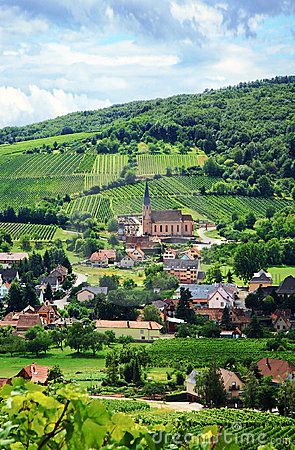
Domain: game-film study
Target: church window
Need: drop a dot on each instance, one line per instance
(177, 228)
(155, 228)
(166, 228)
(161, 228)
(171, 229)
(185, 227)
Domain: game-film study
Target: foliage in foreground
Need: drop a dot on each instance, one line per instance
(59, 417)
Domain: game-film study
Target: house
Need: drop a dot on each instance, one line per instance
(232, 334)
(4, 381)
(287, 287)
(48, 313)
(169, 253)
(186, 271)
(136, 253)
(260, 279)
(278, 369)
(7, 259)
(220, 298)
(200, 292)
(240, 318)
(214, 314)
(89, 292)
(139, 331)
(164, 223)
(172, 323)
(27, 321)
(282, 322)
(60, 272)
(231, 380)
(103, 258)
(127, 262)
(35, 373)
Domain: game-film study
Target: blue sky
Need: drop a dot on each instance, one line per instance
(59, 56)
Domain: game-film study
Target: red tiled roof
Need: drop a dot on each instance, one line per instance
(102, 255)
(128, 324)
(278, 369)
(4, 381)
(28, 320)
(34, 372)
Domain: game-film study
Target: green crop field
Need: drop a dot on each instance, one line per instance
(29, 191)
(34, 231)
(183, 193)
(199, 352)
(157, 164)
(247, 428)
(19, 147)
(95, 205)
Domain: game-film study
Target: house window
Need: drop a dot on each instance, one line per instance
(185, 227)
(155, 228)
(141, 331)
(177, 228)
(166, 228)
(221, 304)
(161, 228)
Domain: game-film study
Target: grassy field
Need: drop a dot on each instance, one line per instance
(278, 273)
(94, 273)
(19, 147)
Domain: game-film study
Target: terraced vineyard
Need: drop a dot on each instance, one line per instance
(95, 205)
(247, 428)
(36, 232)
(157, 164)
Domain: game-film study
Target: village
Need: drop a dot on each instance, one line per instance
(177, 300)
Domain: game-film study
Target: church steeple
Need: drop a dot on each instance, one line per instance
(146, 198)
(146, 213)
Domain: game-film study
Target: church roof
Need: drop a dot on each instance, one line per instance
(168, 215)
(146, 198)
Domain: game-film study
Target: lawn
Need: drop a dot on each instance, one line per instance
(72, 366)
(94, 273)
(278, 273)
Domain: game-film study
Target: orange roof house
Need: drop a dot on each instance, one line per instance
(278, 369)
(103, 255)
(34, 373)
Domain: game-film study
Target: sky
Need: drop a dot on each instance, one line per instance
(59, 56)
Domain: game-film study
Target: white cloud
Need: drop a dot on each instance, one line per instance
(17, 107)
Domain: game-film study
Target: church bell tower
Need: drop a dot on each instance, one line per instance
(146, 213)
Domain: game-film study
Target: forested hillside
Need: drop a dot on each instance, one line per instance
(249, 128)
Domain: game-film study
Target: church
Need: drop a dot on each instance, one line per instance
(166, 223)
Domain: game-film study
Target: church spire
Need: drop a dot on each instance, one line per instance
(146, 198)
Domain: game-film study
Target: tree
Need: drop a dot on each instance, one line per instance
(29, 295)
(109, 281)
(48, 294)
(25, 242)
(214, 275)
(15, 298)
(248, 259)
(151, 313)
(266, 395)
(37, 340)
(250, 391)
(286, 398)
(250, 220)
(254, 329)
(229, 277)
(112, 225)
(55, 374)
(226, 320)
(112, 368)
(214, 390)
(265, 186)
(183, 309)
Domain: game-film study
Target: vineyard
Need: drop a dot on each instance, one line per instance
(247, 428)
(125, 406)
(33, 231)
(199, 352)
(94, 205)
(29, 191)
(157, 164)
(179, 192)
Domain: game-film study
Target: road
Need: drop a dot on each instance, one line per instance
(207, 241)
(81, 278)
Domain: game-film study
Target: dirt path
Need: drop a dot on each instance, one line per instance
(172, 406)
